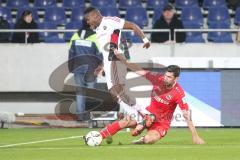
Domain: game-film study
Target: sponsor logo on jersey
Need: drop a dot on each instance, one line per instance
(169, 97)
(157, 98)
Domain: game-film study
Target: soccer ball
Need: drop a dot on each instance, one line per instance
(93, 138)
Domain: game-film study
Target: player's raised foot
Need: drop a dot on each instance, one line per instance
(138, 130)
(109, 140)
(139, 141)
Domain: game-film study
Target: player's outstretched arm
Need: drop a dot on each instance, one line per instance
(195, 137)
(132, 66)
(138, 31)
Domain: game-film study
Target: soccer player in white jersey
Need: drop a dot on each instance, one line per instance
(108, 30)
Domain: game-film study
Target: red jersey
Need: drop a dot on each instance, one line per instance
(163, 100)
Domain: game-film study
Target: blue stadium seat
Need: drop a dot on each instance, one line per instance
(55, 14)
(180, 4)
(77, 14)
(151, 4)
(194, 37)
(46, 25)
(132, 37)
(71, 25)
(42, 4)
(220, 37)
(12, 25)
(6, 13)
(137, 15)
(17, 3)
(213, 3)
(237, 16)
(49, 37)
(73, 3)
(218, 15)
(192, 16)
(157, 14)
(103, 3)
(124, 4)
(33, 10)
(109, 11)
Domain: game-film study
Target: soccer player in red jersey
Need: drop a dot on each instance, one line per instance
(166, 95)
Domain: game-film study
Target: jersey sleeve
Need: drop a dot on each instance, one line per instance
(182, 102)
(154, 77)
(116, 22)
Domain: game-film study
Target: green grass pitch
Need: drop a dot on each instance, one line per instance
(222, 144)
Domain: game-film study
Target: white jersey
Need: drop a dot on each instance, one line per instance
(113, 69)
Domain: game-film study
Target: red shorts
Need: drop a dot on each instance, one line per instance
(161, 129)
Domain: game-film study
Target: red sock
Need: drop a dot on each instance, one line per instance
(111, 129)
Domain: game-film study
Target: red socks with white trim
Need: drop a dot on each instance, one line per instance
(110, 129)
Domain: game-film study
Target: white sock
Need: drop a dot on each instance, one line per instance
(141, 109)
(124, 107)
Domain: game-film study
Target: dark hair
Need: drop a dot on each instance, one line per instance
(168, 7)
(87, 28)
(85, 25)
(174, 69)
(89, 9)
(25, 13)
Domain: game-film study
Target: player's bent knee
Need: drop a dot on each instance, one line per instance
(127, 122)
(150, 139)
(123, 123)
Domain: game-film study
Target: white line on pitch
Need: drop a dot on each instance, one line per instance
(34, 142)
(131, 147)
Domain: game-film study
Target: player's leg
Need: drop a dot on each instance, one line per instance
(154, 134)
(127, 122)
(148, 120)
(118, 95)
(118, 79)
(116, 126)
(127, 102)
(151, 137)
(127, 105)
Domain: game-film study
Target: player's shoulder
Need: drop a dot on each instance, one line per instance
(179, 90)
(155, 74)
(111, 19)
